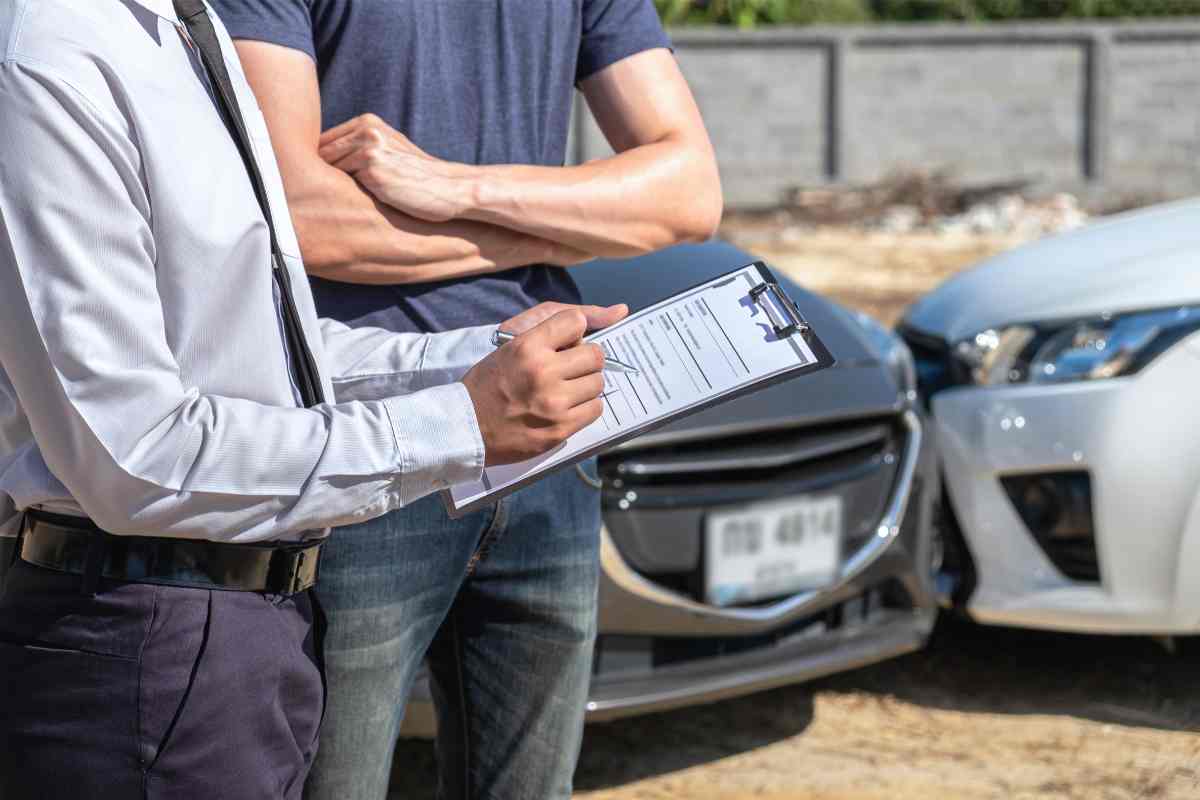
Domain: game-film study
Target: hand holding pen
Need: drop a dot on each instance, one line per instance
(534, 393)
(611, 364)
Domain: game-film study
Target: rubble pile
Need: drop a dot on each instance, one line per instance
(933, 202)
(1007, 214)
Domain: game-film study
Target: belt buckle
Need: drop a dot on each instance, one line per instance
(303, 566)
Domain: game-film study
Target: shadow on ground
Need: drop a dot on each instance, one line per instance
(1117, 679)
(1130, 681)
(688, 737)
(665, 742)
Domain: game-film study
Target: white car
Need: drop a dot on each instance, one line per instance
(1063, 379)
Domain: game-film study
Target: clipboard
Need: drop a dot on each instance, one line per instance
(782, 320)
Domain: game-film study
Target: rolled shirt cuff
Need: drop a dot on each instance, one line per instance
(448, 356)
(437, 435)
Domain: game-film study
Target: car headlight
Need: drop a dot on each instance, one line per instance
(893, 352)
(1105, 347)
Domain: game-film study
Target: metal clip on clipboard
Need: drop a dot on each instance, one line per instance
(780, 310)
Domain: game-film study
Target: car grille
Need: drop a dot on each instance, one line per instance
(656, 499)
(619, 653)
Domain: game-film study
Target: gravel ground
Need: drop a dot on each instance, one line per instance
(982, 713)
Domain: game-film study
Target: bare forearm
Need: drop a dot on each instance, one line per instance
(641, 200)
(647, 197)
(348, 236)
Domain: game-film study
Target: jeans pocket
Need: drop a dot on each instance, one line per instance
(491, 535)
(168, 667)
(589, 472)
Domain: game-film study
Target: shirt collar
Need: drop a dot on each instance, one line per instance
(162, 8)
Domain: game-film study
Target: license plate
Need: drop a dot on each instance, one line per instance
(772, 550)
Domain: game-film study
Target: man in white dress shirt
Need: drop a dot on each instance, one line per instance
(178, 430)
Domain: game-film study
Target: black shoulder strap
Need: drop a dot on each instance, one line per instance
(200, 27)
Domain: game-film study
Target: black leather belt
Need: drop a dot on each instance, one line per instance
(75, 545)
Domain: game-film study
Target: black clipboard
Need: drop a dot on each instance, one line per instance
(784, 318)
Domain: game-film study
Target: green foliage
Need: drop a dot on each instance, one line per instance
(755, 13)
(751, 13)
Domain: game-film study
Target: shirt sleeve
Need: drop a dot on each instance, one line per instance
(83, 342)
(373, 363)
(614, 30)
(287, 23)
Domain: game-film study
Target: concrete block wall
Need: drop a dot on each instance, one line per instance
(1109, 110)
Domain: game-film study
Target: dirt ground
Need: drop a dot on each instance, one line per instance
(982, 713)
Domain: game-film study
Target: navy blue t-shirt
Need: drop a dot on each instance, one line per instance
(472, 81)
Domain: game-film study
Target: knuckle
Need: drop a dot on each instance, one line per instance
(521, 347)
(540, 406)
(529, 363)
(555, 406)
(518, 351)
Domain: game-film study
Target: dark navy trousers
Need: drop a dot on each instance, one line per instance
(153, 692)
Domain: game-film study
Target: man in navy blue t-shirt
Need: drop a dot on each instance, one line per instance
(422, 145)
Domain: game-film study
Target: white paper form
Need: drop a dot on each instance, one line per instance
(691, 349)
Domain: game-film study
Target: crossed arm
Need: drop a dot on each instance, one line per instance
(371, 207)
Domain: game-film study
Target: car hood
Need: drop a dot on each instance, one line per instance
(1139, 260)
(857, 385)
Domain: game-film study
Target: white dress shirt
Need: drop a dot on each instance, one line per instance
(144, 380)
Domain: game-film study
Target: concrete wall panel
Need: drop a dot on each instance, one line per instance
(1104, 109)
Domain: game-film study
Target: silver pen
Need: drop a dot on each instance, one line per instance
(500, 337)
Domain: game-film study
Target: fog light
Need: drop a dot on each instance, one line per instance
(1056, 507)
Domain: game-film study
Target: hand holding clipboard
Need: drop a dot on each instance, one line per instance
(729, 336)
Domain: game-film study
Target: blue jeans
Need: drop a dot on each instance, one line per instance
(503, 602)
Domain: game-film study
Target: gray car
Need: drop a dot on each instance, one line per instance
(818, 492)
